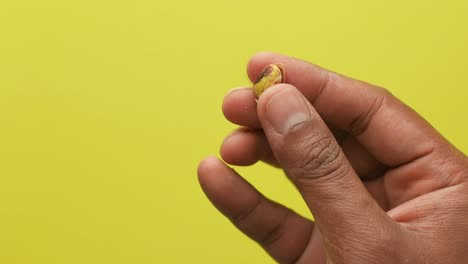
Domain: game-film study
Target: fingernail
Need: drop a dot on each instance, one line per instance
(236, 89)
(286, 110)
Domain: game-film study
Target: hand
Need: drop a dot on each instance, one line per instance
(382, 184)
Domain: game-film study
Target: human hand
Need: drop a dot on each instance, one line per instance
(382, 184)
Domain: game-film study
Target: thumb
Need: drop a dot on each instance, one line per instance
(313, 160)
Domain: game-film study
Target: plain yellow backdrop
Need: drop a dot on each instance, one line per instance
(106, 107)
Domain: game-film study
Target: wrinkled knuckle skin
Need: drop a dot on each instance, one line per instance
(320, 156)
(361, 122)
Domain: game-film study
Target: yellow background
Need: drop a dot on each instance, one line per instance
(106, 107)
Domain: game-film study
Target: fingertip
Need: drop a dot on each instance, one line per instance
(227, 149)
(212, 174)
(238, 99)
(208, 167)
(226, 189)
(206, 164)
(257, 62)
(239, 107)
(241, 148)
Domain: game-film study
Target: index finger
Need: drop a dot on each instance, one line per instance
(386, 127)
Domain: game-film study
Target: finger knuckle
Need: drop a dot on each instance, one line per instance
(244, 216)
(275, 232)
(360, 122)
(322, 156)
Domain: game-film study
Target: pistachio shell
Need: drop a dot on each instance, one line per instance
(270, 75)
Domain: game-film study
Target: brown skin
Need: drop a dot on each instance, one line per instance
(383, 185)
